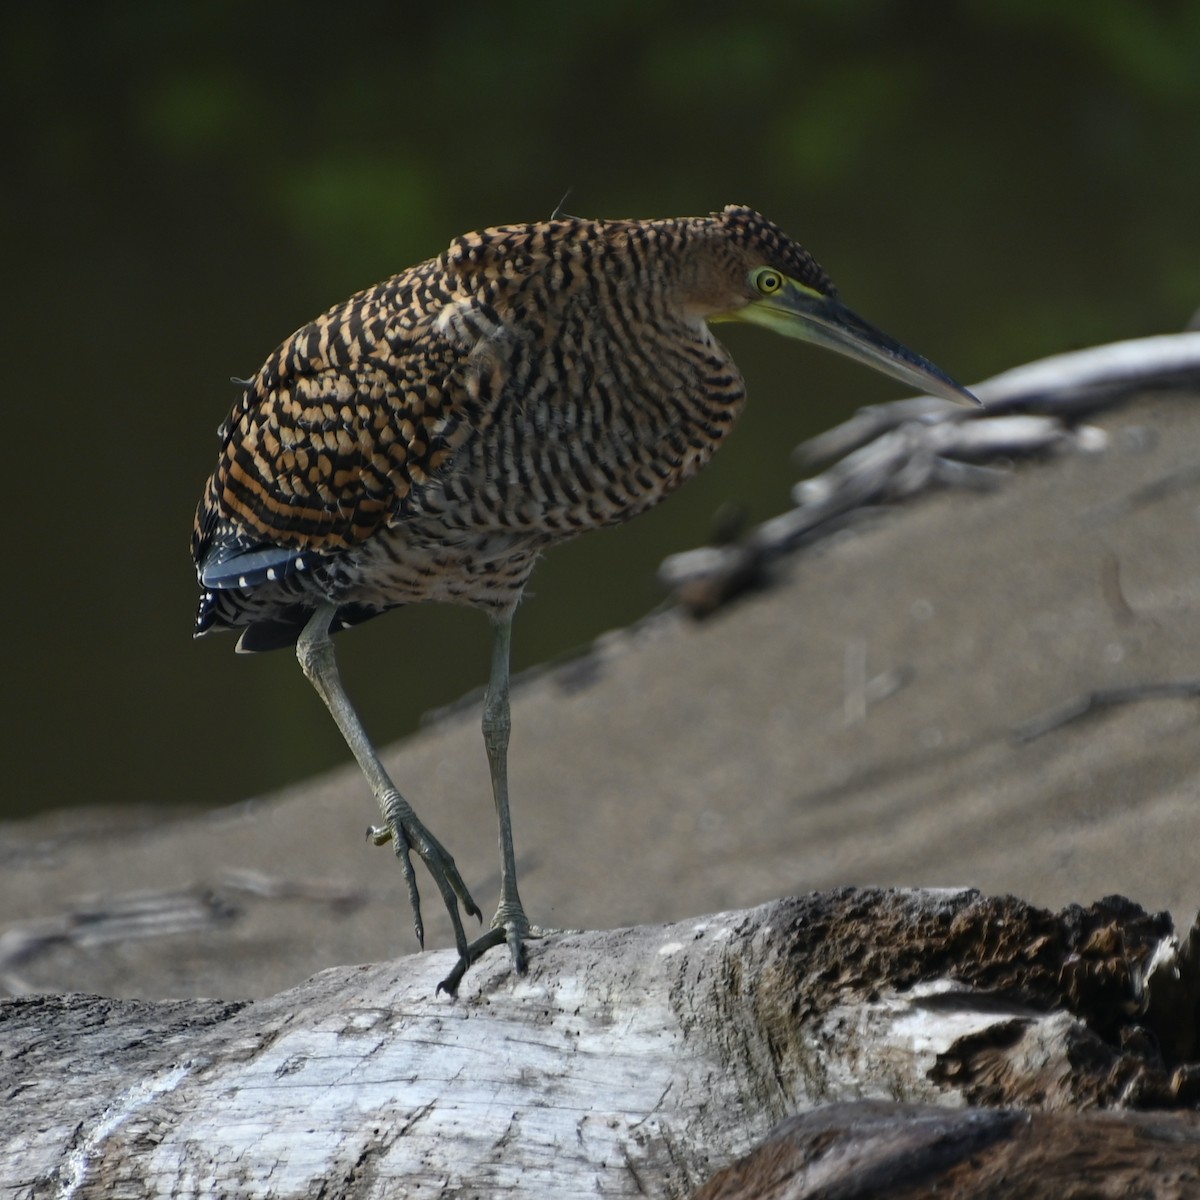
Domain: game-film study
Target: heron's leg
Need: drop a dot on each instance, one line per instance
(497, 724)
(401, 827)
(510, 923)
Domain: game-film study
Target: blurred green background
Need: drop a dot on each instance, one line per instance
(186, 183)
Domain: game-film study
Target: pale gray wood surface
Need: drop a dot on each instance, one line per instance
(627, 1063)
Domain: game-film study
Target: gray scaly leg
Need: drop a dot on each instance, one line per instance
(401, 827)
(510, 924)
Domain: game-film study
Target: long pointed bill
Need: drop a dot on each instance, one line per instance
(798, 313)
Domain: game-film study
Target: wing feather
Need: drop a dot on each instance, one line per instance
(345, 425)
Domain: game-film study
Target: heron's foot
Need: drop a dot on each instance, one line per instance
(509, 926)
(406, 833)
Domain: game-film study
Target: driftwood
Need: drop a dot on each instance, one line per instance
(889, 452)
(633, 1062)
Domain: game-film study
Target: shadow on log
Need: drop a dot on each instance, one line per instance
(870, 1150)
(632, 1062)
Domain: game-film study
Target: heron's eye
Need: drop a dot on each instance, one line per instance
(768, 281)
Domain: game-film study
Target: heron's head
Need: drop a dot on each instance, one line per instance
(763, 277)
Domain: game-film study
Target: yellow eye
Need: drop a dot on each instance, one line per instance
(768, 281)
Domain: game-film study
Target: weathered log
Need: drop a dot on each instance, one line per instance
(624, 1063)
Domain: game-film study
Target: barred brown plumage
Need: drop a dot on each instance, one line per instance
(430, 437)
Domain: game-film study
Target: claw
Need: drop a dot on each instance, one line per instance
(468, 955)
(449, 985)
(403, 829)
(516, 947)
(410, 880)
(508, 928)
(380, 835)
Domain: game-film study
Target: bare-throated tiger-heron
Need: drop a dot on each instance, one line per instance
(429, 438)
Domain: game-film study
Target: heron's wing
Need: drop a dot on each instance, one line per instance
(346, 424)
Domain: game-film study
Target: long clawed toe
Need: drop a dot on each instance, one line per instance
(512, 930)
(510, 926)
(406, 833)
(380, 835)
(469, 955)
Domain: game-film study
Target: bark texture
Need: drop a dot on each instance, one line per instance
(871, 1150)
(625, 1063)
